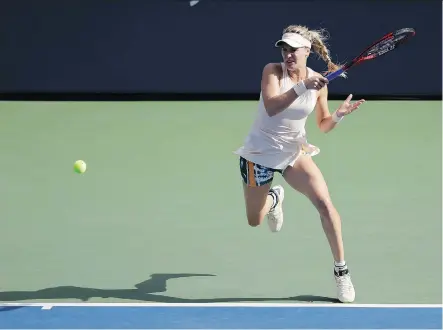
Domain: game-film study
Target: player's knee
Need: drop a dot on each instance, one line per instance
(253, 223)
(324, 207)
(254, 219)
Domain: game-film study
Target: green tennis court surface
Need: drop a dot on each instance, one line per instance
(159, 214)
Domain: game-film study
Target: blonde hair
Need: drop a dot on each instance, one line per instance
(318, 40)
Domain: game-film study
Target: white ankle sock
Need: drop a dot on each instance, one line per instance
(274, 199)
(340, 265)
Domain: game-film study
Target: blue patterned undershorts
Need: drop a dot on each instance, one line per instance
(255, 175)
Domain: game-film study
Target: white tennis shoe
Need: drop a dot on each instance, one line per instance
(345, 288)
(275, 216)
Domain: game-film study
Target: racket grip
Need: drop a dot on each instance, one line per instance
(335, 74)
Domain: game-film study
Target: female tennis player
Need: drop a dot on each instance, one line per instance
(277, 142)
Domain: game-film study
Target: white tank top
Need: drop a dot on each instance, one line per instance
(277, 141)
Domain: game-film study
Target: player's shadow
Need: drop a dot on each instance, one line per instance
(144, 291)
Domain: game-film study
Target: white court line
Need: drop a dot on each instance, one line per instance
(48, 305)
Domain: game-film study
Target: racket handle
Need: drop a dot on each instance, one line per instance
(335, 74)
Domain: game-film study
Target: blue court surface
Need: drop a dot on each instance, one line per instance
(219, 316)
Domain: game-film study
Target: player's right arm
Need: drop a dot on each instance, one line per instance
(274, 101)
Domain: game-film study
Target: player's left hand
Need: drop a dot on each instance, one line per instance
(347, 107)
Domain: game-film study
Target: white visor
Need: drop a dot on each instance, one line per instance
(294, 40)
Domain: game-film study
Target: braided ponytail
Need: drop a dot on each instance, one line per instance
(318, 38)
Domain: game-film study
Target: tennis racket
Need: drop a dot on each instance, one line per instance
(382, 46)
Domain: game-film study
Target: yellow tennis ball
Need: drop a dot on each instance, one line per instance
(80, 166)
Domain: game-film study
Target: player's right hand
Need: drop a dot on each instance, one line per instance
(316, 82)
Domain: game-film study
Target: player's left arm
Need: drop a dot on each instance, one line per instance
(327, 122)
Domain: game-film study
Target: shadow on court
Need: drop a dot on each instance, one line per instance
(144, 291)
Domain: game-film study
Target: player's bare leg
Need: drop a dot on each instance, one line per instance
(307, 178)
(264, 201)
